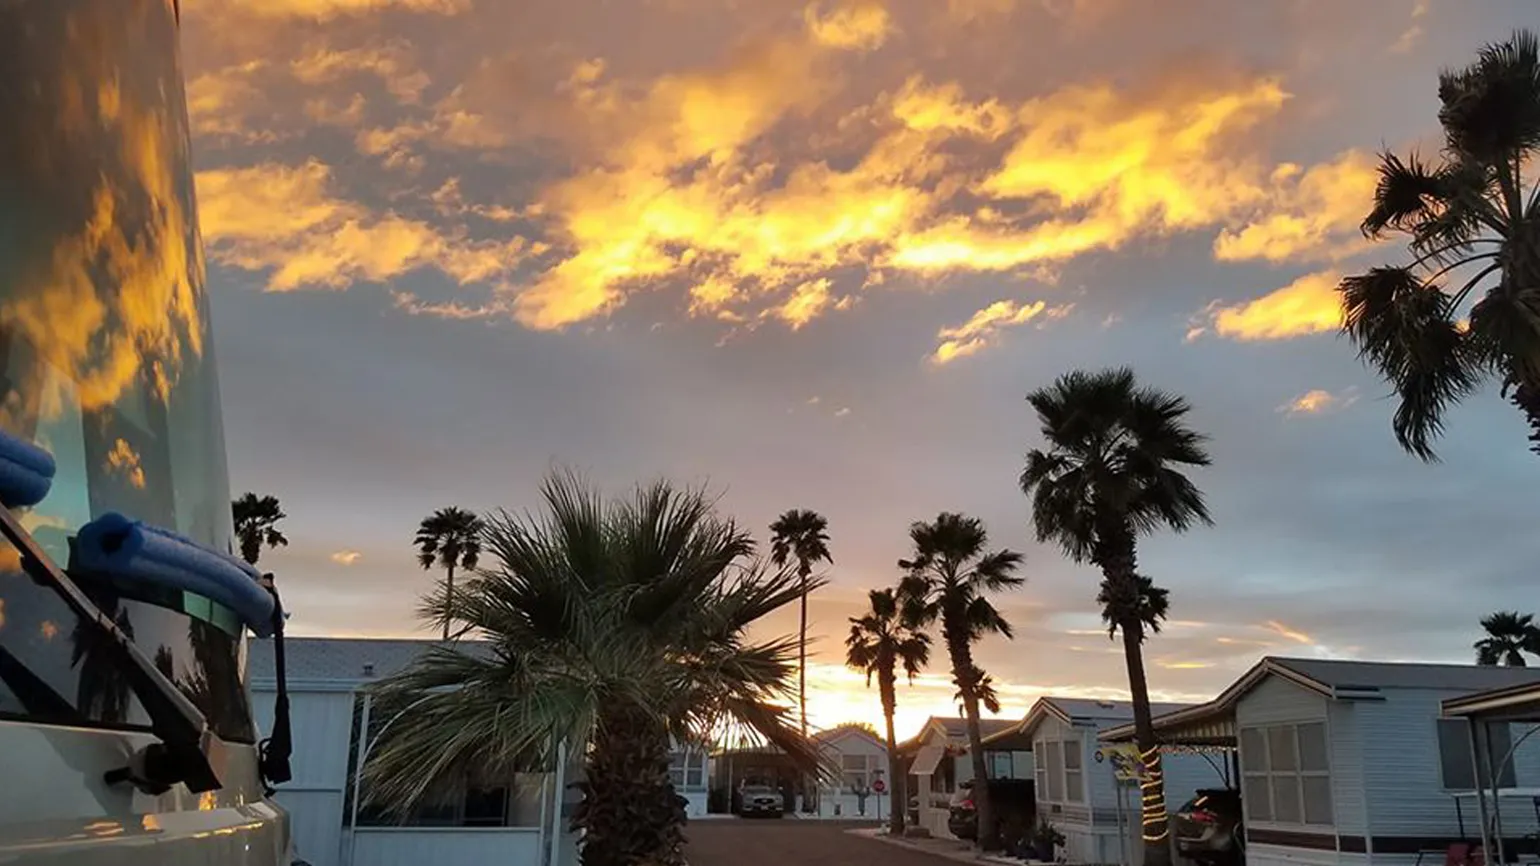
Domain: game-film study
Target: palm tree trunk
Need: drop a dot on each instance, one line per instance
(630, 814)
(897, 799)
(983, 804)
(803, 571)
(1157, 841)
(449, 599)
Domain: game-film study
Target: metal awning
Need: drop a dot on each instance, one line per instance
(1206, 726)
(1513, 704)
(928, 758)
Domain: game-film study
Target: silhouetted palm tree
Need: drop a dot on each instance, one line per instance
(617, 626)
(803, 536)
(950, 578)
(880, 641)
(256, 524)
(1469, 218)
(449, 538)
(1509, 635)
(1112, 472)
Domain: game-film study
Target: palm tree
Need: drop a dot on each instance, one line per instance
(615, 626)
(949, 578)
(880, 641)
(804, 536)
(1509, 635)
(449, 538)
(1468, 217)
(256, 524)
(1112, 471)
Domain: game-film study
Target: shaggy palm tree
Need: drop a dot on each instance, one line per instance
(1509, 635)
(256, 524)
(1468, 218)
(449, 538)
(616, 627)
(882, 640)
(802, 536)
(1112, 471)
(950, 576)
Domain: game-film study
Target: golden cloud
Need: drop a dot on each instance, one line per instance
(392, 63)
(1309, 305)
(284, 219)
(1318, 401)
(863, 24)
(1292, 634)
(124, 460)
(985, 326)
(1311, 215)
(346, 557)
(324, 9)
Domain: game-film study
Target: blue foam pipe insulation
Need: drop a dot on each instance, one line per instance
(115, 546)
(26, 472)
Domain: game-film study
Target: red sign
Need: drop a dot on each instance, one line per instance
(879, 786)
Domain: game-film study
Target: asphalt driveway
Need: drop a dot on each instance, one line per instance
(789, 842)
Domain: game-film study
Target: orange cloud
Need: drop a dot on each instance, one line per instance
(391, 62)
(285, 219)
(325, 9)
(1309, 305)
(1317, 401)
(124, 460)
(984, 327)
(863, 24)
(346, 557)
(1311, 215)
(1292, 634)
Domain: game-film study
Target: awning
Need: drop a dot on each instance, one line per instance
(928, 759)
(1513, 704)
(1209, 726)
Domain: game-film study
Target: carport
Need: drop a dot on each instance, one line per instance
(1206, 729)
(1518, 704)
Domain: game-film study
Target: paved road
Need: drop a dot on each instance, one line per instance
(737, 842)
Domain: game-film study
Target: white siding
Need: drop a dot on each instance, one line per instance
(1402, 772)
(321, 723)
(415, 846)
(1278, 701)
(1344, 733)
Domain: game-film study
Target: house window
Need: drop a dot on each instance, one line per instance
(1060, 770)
(1454, 754)
(1285, 777)
(857, 772)
(1000, 765)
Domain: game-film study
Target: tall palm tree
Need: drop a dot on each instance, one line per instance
(616, 627)
(1467, 217)
(950, 577)
(880, 641)
(1509, 635)
(256, 524)
(803, 536)
(1112, 471)
(449, 538)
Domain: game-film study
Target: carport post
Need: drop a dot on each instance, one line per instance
(1481, 794)
(1496, 782)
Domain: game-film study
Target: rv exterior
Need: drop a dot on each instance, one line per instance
(126, 731)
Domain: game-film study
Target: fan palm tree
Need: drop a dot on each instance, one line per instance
(882, 640)
(256, 524)
(449, 538)
(950, 577)
(616, 627)
(803, 536)
(1112, 471)
(1509, 635)
(1467, 217)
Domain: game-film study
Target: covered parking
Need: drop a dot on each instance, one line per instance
(1519, 704)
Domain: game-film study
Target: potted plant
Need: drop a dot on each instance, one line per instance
(1045, 840)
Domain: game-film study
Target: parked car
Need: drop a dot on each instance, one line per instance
(1208, 828)
(1015, 807)
(761, 800)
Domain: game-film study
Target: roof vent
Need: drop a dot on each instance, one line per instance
(1106, 705)
(368, 669)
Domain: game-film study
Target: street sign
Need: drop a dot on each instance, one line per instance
(879, 786)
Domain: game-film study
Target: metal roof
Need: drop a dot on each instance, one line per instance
(1213, 723)
(341, 660)
(955, 729)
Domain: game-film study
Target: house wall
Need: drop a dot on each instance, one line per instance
(321, 722)
(1403, 781)
(836, 800)
(1277, 701)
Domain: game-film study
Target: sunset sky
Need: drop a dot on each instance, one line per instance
(815, 255)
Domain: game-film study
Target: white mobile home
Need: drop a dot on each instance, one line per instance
(1346, 762)
(520, 821)
(862, 759)
(1076, 790)
(937, 762)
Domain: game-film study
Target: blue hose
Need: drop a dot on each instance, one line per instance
(26, 472)
(114, 546)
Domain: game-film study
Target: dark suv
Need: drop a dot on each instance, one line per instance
(1208, 828)
(1014, 807)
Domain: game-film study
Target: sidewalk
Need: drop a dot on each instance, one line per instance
(951, 849)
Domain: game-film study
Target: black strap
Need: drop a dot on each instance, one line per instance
(274, 752)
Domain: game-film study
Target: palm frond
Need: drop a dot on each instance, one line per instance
(1491, 109)
(1407, 195)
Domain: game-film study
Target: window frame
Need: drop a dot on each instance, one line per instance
(1050, 775)
(1269, 777)
(1507, 774)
